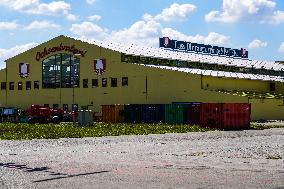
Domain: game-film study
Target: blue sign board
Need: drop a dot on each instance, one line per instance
(167, 43)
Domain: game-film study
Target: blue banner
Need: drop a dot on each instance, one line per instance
(167, 43)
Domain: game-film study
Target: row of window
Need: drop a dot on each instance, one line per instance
(74, 107)
(20, 85)
(95, 83)
(113, 82)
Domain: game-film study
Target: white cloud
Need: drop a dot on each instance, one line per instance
(8, 53)
(173, 13)
(53, 8)
(35, 7)
(277, 17)
(71, 17)
(94, 18)
(148, 30)
(89, 30)
(262, 11)
(41, 25)
(281, 48)
(142, 32)
(257, 44)
(8, 25)
(90, 2)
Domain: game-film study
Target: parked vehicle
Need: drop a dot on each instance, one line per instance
(10, 115)
(40, 114)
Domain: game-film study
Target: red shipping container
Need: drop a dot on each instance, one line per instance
(236, 115)
(193, 114)
(211, 115)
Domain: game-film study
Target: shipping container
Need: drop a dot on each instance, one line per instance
(175, 113)
(113, 113)
(153, 113)
(236, 116)
(193, 114)
(211, 115)
(133, 113)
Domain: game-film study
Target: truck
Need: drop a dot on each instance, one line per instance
(40, 114)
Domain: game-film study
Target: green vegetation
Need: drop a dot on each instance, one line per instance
(265, 126)
(23, 131)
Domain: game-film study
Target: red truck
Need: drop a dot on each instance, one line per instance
(43, 114)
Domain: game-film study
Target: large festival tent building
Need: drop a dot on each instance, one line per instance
(67, 72)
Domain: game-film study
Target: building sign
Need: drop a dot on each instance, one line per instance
(167, 43)
(99, 66)
(67, 48)
(24, 70)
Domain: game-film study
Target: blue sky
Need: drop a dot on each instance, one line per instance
(256, 25)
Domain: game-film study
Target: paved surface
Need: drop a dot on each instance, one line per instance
(241, 159)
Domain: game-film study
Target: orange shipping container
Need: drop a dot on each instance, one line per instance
(113, 113)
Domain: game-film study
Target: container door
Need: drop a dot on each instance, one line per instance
(193, 114)
(211, 115)
(236, 116)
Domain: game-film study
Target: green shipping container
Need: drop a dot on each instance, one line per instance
(175, 114)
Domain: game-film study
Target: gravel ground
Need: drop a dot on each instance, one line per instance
(231, 159)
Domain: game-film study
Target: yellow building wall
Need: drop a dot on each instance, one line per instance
(146, 85)
(2, 92)
(231, 84)
(267, 109)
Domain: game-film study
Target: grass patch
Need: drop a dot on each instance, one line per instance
(265, 126)
(23, 131)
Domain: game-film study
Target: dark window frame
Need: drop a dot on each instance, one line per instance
(104, 82)
(11, 86)
(55, 106)
(3, 85)
(113, 82)
(65, 107)
(85, 83)
(124, 81)
(20, 85)
(272, 87)
(36, 84)
(28, 85)
(95, 83)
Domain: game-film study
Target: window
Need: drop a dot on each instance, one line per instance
(36, 84)
(75, 107)
(125, 81)
(11, 86)
(95, 83)
(60, 71)
(55, 106)
(104, 82)
(3, 86)
(85, 83)
(113, 82)
(65, 107)
(28, 85)
(20, 86)
(272, 87)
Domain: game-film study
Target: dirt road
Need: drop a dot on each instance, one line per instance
(240, 159)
